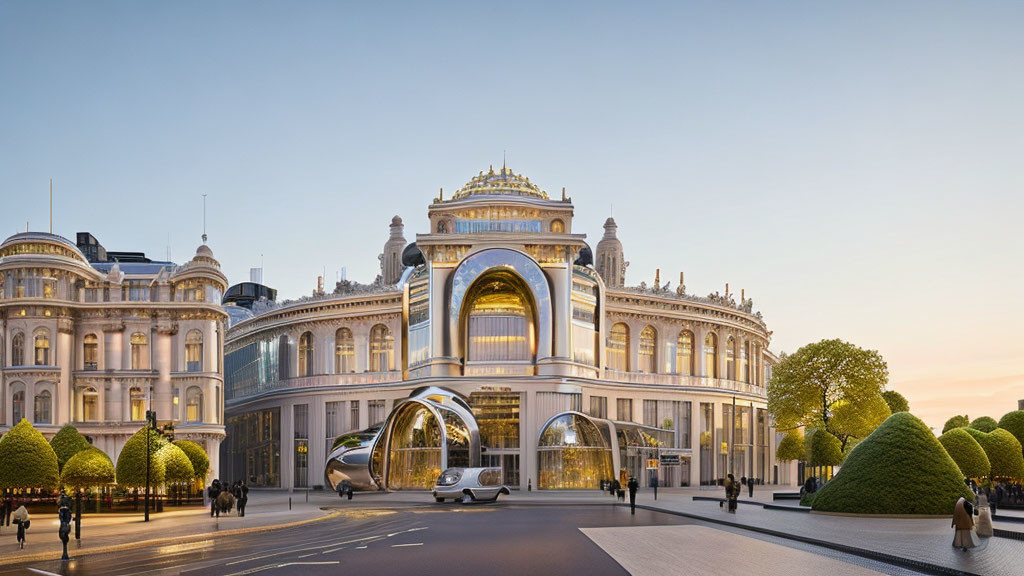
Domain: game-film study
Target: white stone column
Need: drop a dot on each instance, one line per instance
(162, 387)
(115, 408)
(64, 388)
(317, 426)
(210, 347)
(288, 446)
(210, 401)
(528, 432)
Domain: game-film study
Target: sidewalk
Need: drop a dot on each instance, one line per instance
(266, 509)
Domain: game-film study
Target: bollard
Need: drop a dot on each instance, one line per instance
(78, 515)
(289, 502)
(307, 496)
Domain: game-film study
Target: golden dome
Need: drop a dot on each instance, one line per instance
(503, 182)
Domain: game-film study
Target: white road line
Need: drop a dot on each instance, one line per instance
(401, 545)
(43, 572)
(308, 555)
(360, 547)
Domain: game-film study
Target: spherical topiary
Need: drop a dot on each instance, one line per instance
(958, 421)
(197, 456)
(90, 467)
(177, 467)
(823, 449)
(68, 442)
(899, 469)
(968, 454)
(896, 401)
(984, 423)
(1003, 451)
(26, 459)
(131, 463)
(1013, 422)
(791, 447)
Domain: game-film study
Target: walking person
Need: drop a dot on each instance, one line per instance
(6, 509)
(213, 492)
(750, 487)
(963, 522)
(23, 522)
(64, 532)
(243, 498)
(732, 492)
(633, 487)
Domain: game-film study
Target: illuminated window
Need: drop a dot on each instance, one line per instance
(90, 405)
(618, 347)
(91, 351)
(344, 351)
(193, 405)
(730, 358)
(382, 349)
(42, 349)
(18, 350)
(573, 454)
(745, 362)
(140, 351)
(18, 406)
(306, 354)
(648, 343)
(710, 355)
(684, 353)
(500, 320)
(42, 408)
(194, 351)
(138, 400)
(557, 226)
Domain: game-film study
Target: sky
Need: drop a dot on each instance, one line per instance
(855, 167)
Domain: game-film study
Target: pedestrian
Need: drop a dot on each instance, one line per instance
(963, 522)
(213, 492)
(750, 487)
(64, 532)
(633, 487)
(6, 508)
(22, 520)
(243, 498)
(732, 492)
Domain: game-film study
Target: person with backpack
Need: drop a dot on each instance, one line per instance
(22, 520)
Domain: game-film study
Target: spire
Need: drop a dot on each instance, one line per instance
(204, 218)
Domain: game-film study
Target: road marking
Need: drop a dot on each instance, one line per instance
(360, 547)
(308, 555)
(401, 545)
(43, 572)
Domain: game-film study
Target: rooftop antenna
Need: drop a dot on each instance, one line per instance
(502, 160)
(204, 218)
(168, 246)
(51, 205)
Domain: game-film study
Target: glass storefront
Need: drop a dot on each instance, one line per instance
(497, 416)
(253, 448)
(573, 454)
(707, 444)
(414, 461)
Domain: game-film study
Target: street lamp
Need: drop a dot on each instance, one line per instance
(150, 423)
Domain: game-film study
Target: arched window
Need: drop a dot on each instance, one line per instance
(710, 355)
(194, 351)
(42, 349)
(382, 345)
(140, 351)
(42, 408)
(557, 226)
(684, 353)
(344, 351)
(138, 401)
(306, 354)
(730, 358)
(90, 405)
(194, 405)
(18, 406)
(648, 344)
(500, 321)
(18, 351)
(745, 362)
(618, 347)
(91, 351)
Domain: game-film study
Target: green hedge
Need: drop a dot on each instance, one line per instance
(131, 463)
(1013, 422)
(26, 459)
(901, 468)
(197, 456)
(896, 401)
(984, 423)
(177, 466)
(68, 442)
(791, 447)
(968, 454)
(823, 449)
(1003, 451)
(90, 467)
(959, 421)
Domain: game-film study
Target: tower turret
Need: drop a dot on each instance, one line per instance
(610, 263)
(391, 259)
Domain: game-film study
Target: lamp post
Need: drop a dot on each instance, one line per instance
(150, 423)
(732, 441)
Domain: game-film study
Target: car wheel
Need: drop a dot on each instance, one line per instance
(438, 499)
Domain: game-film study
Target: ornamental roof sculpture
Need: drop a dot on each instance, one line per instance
(503, 182)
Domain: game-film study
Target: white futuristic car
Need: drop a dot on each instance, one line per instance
(470, 485)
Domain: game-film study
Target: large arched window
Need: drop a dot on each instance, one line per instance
(42, 408)
(18, 351)
(382, 349)
(730, 358)
(194, 351)
(344, 351)
(194, 405)
(91, 351)
(745, 362)
(90, 405)
(711, 355)
(572, 453)
(17, 406)
(648, 345)
(140, 351)
(42, 349)
(306, 354)
(684, 353)
(138, 403)
(618, 347)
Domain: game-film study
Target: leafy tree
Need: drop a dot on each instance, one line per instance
(791, 447)
(177, 466)
(823, 449)
(808, 386)
(68, 442)
(968, 454)
(896, 401)
(1013, 422)
(1003, 451)
(852, 421)
(26, 459)
(131, 464)
(901, 468)
(197, 456)
(959, 421)
(984, 423)
(90, 467)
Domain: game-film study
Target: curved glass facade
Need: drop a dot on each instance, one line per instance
(573, 454)
(414, 459)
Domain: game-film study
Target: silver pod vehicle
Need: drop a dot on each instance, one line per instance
(470, 485)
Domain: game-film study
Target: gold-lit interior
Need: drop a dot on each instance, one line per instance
(414, 461)
(500, 324)
(573, 455)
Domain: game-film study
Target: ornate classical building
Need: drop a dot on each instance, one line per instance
(497, 341)
(98, 341)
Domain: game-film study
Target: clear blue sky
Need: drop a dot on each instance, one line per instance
(857, 168)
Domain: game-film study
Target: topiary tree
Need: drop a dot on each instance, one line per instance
(852, 421)
(896, 401)
(68, 442)
(87, 469)
(791, 447)
(197, 456)
(968, 454)
(177, 466)
(26, 459)
(901, 468)
(959, 421)
(1003, 451)
(984, 423)
(823, 449)
(131, 463)
(1013, 422)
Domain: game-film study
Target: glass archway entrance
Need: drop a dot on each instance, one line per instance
(573, 453)
(414, 458)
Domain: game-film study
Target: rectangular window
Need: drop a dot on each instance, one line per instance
(332, 421)
(599, 406)
(624, 409)
(354, 415)
(707, 444)
(651, 413)
(375, 411)
(576, 402)
(683, 424)
(301, 414)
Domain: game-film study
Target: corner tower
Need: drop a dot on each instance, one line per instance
(391, 259)
(609, 261)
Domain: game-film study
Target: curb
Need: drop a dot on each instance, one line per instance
(765, 505)
(49, 556)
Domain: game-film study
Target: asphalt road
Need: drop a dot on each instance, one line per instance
(447, 539)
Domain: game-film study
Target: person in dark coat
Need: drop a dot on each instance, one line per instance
(64, 532)
(213, 492)
(243, 498)
(750, 487)
(732, 492)
(633, 487)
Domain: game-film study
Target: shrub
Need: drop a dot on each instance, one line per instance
(823, 449)
(90, 467)
(1013, 422)
(1003, 451)
(197, 456)
(896, 401)
(984, 423)
(901, 468)
(68, 442)
(131, 463)
(26, 459)
(968, 454)
(959, 421)
(177, 466)
(791, 447)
